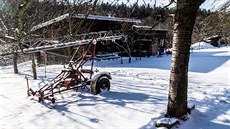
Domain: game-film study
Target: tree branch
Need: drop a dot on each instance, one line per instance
(171, 2)
(22, 10)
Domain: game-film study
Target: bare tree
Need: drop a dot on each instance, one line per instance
(22, 8)
(6, 16)
(213, 23)
(225, 7)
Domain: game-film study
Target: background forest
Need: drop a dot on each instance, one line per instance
(208, 23)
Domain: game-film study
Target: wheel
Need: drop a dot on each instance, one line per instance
(102, 84)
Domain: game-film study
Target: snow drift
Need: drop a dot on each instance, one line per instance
(201, 45)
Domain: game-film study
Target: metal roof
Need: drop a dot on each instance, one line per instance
(81, 16)
(108, 18)
(44, 24)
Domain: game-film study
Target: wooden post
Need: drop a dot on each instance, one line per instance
(27, 82)
(45, 62)
(34, 67)
(15, 58)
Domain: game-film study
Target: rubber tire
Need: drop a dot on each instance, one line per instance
(103, 83)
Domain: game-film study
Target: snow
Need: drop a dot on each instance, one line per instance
(2, 41)
(138, 96)
(107, 18)
(82, 16)
(142, 27)
(201, 45)
(168, 121)
(57, 19)
(9, 37)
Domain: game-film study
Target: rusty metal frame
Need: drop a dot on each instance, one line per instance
(68, 79)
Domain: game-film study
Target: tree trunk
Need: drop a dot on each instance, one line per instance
(34, 67)
(184, 21)
(15, 64)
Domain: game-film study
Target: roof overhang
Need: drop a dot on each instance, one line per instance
(82, 16)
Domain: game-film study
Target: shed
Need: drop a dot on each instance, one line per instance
(214, 40)
(147, 40)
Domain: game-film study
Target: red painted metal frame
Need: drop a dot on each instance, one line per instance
(68, 79)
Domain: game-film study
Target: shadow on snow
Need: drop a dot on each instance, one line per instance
(201, 62)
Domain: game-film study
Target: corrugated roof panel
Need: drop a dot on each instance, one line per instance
(108, 18)
(91, 17)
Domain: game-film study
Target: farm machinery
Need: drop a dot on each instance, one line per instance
(75, 76)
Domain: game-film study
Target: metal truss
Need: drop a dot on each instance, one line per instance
(41, 44)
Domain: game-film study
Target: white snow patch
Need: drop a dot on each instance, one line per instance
(9, 37)
(167, 121)
(201, 45)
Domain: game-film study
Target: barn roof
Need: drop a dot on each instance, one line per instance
(44, 24)
(108, 18)
(214, 37)
(81, 16)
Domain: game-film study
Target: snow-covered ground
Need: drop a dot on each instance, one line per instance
(138, 95)
(201, 45)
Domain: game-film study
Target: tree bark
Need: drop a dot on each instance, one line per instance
(183, 26)
(15, 64)
(19, 33)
